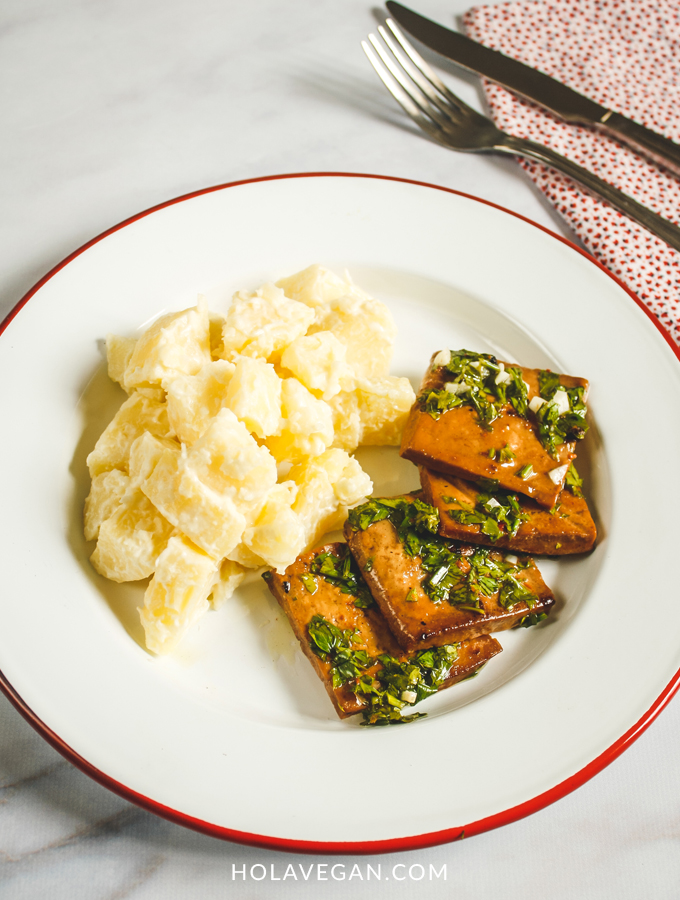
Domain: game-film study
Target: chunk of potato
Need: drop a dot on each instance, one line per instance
(193, 400)
(210, 519)
(228, 459)
(263, 322)
(307, 424)
(145, 454)
(319, 361)
(230, 576)
(177, 595)
(384, 406)
(176, 344)
(131, 540)
(277, 536)
(314, 286)
(118, 353)
(106, 494)
(327, 486)
(137, 415)
(365, 326)
(254, 395)
(346, 420)
(245, 557)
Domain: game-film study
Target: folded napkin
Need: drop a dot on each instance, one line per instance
(625, 55)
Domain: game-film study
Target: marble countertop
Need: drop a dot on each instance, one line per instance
(109, 108)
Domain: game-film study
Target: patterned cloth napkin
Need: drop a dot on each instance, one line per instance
(625, 55)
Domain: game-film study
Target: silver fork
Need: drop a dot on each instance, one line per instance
(444, 116)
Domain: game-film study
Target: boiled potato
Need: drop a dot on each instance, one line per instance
(186, 476)
(365, 326)
(211, 519)
(314, 286)
(254, 396)
(230, 576)
(176, 344)
(137, 415)
(327, 485)
(277, 536)
(319, 361)
(145, 454)
(118, 353)
(384, 405)
(177, 595)
(347, 424)
(263, 322)
(193, 400)
(131, 540)
(106, 494)
(228, 459)
(307, 424)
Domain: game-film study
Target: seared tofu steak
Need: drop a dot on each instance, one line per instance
(344, 635)
(432, 590)
(510, 521)
(512, 427)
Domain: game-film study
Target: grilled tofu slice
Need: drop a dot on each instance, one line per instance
(306, 597)
(511, 448)
(431, 590)
(569, 528)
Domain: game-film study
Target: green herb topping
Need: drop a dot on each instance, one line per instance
(573, 481)
(343, 572)
(334, 645)
(497, 513)
(310, 583)
(401, 684)
(555, 427)
(481, 381)
(394, 685)
(503, 455)
(460, 577)
(532, 619)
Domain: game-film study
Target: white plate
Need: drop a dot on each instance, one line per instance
(233, 734)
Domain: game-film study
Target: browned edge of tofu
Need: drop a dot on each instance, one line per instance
(328, 601)
(570, 529)
(458, 444)
(392, 576)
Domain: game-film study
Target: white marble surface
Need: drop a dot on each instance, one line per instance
(109, 108)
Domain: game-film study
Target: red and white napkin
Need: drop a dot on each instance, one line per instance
(625, 55)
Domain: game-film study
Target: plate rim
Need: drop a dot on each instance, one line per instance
(400, 844)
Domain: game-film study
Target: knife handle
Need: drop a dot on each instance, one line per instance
(655, 146)
(659, 226)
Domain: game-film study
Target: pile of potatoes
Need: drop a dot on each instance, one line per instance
(232, 451)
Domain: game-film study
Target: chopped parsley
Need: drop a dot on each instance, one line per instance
(503, 455)
(394, 685)
(310, 584)
(343, 572)
(531, 619)
(497, 513)
(334, 645)
(573, 481)
(461, 578)
(481, 381)
(413, 679)
(554, 427)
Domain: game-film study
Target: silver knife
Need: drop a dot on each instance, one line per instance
(536, 86)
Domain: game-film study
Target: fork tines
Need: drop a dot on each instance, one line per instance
(412, 83)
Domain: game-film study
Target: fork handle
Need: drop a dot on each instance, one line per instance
(659, 226)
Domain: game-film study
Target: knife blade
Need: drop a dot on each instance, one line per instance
(559, 99)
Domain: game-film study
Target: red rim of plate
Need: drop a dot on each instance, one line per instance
(345, 847)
